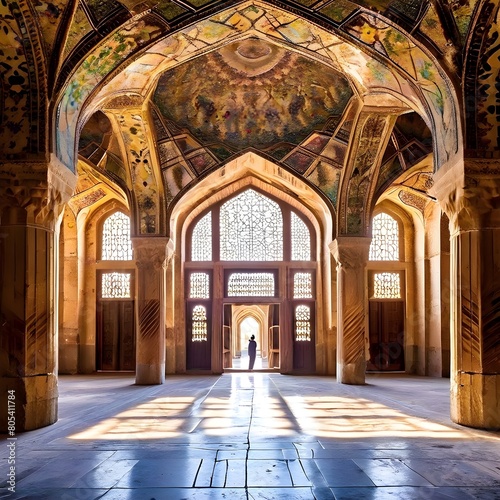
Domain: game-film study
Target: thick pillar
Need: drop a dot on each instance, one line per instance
(474, 211)
(150, 256)
(415, 326)
(87, 292)
(433, 283)
(31, 199)
(351, 254)
(445, 294)
(68, 295)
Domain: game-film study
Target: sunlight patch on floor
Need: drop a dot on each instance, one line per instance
(338, 417)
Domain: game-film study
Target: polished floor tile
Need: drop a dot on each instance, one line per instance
(254, 436)
(339, 472)
(167, 473)
(410, 493)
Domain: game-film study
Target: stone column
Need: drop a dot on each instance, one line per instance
(150, 256)
(351, 254)
(472, 202)
(68, 295)
(445, 295)
(32, 196)
(433, 283)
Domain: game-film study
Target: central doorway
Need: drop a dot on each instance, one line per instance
(240, 323)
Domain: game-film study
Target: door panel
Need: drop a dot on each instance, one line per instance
(115, 335)
(127, 336)
(386, 336)
(304, 351)
(226, 337)
(274, 336)
(199, 352)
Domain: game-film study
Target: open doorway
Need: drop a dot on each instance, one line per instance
(241, 322)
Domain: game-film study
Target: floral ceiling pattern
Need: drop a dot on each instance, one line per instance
(299, 81)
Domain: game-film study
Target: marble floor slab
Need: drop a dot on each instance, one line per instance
(253, 435)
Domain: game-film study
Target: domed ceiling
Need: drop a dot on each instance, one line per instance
(251, 93)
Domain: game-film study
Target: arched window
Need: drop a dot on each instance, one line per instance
(303, 323)
(301, 239)
(201, 249)
(116, 243)
(115, 280)
(199, 289)
(251, 228)
(199, 322)
(385, 238)
(254, 250)
(386, 297)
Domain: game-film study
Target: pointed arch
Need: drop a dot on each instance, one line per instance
(274, 187)
(116, 243)
(385, 242)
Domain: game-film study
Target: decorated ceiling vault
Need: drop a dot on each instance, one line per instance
(335, 106)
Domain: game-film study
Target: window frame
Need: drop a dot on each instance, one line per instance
(100, 238)
(286, 211)
(400, 238)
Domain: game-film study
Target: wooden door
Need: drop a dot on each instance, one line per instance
(274, 336)
(199, 336)
(227, 352)
(115, 335)
(386, 336)
(304, 351)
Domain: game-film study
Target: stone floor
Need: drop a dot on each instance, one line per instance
(253, 436)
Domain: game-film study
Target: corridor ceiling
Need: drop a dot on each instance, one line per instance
(151, 96)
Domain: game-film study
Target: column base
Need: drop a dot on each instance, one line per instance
(475, 400)
(68, 359)
(433, 362)
(86, 358)
(35, 402)
(150, 374)
(351, 373)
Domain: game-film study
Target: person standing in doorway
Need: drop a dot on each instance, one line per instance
(252, 352)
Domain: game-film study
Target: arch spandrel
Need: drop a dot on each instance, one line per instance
(250, 170)
(23, 84)
(146, 187)
(482, 133)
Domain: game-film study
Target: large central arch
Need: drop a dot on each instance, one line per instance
(249, 171)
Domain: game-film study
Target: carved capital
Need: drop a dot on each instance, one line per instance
(150, 252)
(34, 192)
(350, 251)
(471, 197)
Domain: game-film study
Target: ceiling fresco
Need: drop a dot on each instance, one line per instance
(155, 94)
(411, 14)
(258, 93)
(69, 30)
(284, 28)
(252, 94)
(101, 147)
